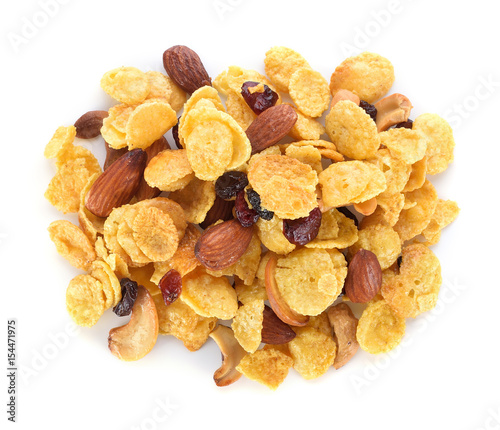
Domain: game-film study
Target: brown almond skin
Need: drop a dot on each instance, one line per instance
(184, 66)
(344, 325)
(89, 124)
(274, 331)
(221, 209)
(112, 155)
(271, 126)
(364, 277)
(145, 192)
(222, 245)
(117, 185)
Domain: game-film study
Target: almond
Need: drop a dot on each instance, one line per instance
(89, 124)
(144, 191)
(117, 185)
(275, 331)
(222, 245)
(271, 126)
(112, 155)
(220, 210)
(364, 277)
(184, 66)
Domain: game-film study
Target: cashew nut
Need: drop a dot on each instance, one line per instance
(392, 110)
(366, 208)
(232, 353)
(344, 95)
(344, 325)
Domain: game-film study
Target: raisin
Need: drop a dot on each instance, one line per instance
(175, 134)
(369, 109)
(400, 261)
(221, 210)
(246, 216)
(230, 184)
(170, 286)
(302, 230)
(405, 124)
(348, 214)
(254, 199)
(129, 294)
(258, 101)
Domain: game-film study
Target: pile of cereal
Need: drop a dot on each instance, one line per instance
(263, 226)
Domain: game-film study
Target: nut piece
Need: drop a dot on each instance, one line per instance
(134, 340)
(144, 191)
(279, 306)
(364, 277)
(117, 185)
(220, 210)
(232, 353)
(222, 245)
(344, 95)
(89, 124)
(366, 208)
(392, 110)
(112, 155)
(275, 331)
(271, 126)
(344, 325)
(185, 68)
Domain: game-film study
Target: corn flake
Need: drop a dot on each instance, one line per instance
(85, 300)
(196, 198)
(281, 63)
(405, 144)
(169, 170)
(247, 325)
(306, 127)
(309, 91)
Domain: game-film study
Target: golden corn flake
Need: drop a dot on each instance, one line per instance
(440, 141)
(85, 300)
(406, 144)
(234, 77)
(111, 226)
(380, 239)
(309, 91)
(247, 325)
(305, 279)
(134, 256)
(184, 260)
(445, 213)
(163, 87)
(249, 293)
(148, 122)
(352, 130)
(169, 207)
(321, 323)
(417, 175)
(306, 127)
(307, 155)
(367, 75)
(155, 234)
(196, 198)
(416, 288)
(396, 171)
(267, 366)
(62, 138)
(414, 220)
(110, 284)
(281, 63)
(72, 244)
(209, 296)
(169, 170)
(238, 108)
(126, 84)
(379, 328)
(313, 352)
(389, 208)
(89, 223)
(112, 136)
(336, 231)
(180, 321)
(142, 275)
(246, 266)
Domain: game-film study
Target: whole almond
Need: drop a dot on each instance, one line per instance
(364, 277)
(220, 210)
(184, 66)
(117, 185)
(274, 331)
(271, 126)
(89, 124)
(222, 245)
(145, 192)
(112, 155)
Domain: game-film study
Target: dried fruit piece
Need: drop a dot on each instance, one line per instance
(170, 286)
(129, 295)
(230, 183)
(254, 199)
(89, 124)
(246, 216)
(258, 96)
(369, 109)
(303, 230)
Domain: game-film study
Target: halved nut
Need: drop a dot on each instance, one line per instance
(366, 208)
(392, 110)
(344, 325)
(134, 340)
(232, 353)
(344, 95)
(278, 304)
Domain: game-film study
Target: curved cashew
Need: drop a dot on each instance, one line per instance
(366, 208)
(344, 95)
(392, 110)
(134, 340)
(232, 353)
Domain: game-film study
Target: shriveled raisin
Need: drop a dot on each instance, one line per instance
(245, 215)
(230, 183)
(175, 134)
(254, 199)
(405, 124)
(302, 230)
(258, 101)
(129, 294)
(369, 109)
(343, 210)
(170, 286)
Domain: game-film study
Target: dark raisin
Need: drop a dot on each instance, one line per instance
(221, 209)
(302, 230)
(230, 184)
(129, 294)
(369, 109)
(258, 101)
(175, 134)
(254, 199)
(170, 286)
(348, 214)
(246, 216)
(405, 124)
(400, 261)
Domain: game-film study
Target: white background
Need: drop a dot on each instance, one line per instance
(445, 55)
